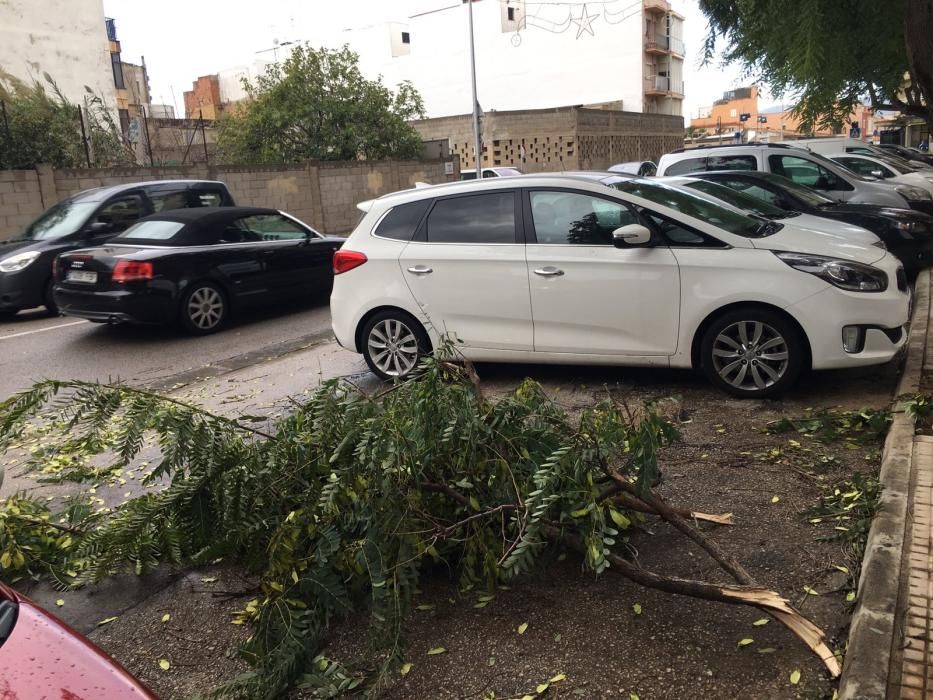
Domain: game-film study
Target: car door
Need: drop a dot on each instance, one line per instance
(465, 267)
(114, 217)
(587, 296)
(296, 259)
(812, 174)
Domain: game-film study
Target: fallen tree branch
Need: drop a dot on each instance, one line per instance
(756, 596)
(632, 503)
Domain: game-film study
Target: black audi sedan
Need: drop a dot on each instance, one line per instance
(195, 266)
(908, 234)
(91, 217)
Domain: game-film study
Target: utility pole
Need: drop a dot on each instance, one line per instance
(719, 129)
(148, 140)
(477, 139)
(203, 136)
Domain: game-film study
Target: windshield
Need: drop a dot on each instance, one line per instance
(740, 200)
(834, 166)
(809, 197)
(62, 219)
(696, 206)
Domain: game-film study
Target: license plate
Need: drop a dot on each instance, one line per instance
(82, 276)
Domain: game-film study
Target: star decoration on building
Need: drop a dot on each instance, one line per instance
(584, 22)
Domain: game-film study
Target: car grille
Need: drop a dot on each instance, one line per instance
(901, 279)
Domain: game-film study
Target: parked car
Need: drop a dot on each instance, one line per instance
(844, 233)
(195, 266)
(886, 168)
(845, 144)
(908, 234)
(490, 172)
(42, 657)
(87, 218)
(642, 168)
(803, 167)
(912, 155)
(564, 270)
(605, 177)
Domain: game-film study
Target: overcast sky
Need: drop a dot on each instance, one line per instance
(182, 39)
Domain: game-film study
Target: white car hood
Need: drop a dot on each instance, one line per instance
(845, 242)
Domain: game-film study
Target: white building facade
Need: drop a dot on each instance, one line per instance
(531, 55)
(42, 37)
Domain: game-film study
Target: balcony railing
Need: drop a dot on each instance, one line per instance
(665, 44)
(663, 85)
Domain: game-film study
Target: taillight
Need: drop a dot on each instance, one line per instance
(130, 271)
(345, 260)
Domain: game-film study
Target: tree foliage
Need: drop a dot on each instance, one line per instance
(346, 503)
(42, 126)
(831, 55)
(316, 105)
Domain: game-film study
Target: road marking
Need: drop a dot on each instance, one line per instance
(42, 330)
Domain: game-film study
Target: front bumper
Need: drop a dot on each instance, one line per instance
(119, 306)
(884, 317)
(21, 290)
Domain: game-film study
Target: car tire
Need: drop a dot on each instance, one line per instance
(752, 353)
(393, 344)
(203, 308)
(49, 298)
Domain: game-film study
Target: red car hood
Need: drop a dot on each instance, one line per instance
(42, 658)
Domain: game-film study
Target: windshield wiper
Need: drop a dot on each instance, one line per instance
(788, 214)
(768, 228)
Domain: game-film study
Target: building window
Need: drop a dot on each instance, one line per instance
(117, 71)
(511, 13)
(124, 121)
(406, 38)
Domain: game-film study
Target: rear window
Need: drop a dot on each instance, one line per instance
(713, 162)
(208, 198)
(165, 200)
(401, 221)
(688, 165)
(476, 219)
(153, 230)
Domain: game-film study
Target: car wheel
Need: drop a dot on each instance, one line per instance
(752, 353)
(203, 308)
(49, 299)
(393, 344)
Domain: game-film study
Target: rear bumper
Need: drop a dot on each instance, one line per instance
(120, 306)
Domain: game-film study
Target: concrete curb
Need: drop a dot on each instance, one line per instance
(874, 625)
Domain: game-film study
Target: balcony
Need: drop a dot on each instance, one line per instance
(663, 44)
(663, 86)
(659, 6)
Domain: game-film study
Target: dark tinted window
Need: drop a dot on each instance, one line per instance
(732, 163)
(207, 198)
(679, 234)
(481, 218)
(568, 217)
(120, 214)
(263, 227)
(807, 172)
(401, 221)
(688, 165)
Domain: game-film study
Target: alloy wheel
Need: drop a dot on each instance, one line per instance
(750, 355)
(205, 308)
(393, 347)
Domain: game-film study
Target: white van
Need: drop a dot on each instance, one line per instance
(801, 166)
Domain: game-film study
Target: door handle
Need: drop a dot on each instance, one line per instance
(549, 272)
(420, 270)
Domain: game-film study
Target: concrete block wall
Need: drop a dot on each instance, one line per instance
(20, 200)
(323, 194)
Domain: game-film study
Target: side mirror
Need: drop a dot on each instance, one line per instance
(630, 236)
(878, 174)
(97, 228)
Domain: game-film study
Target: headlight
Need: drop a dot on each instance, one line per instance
(913, 194)
(17, 262)
(905, 225)
(851, 276)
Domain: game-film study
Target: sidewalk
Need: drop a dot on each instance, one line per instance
(890, 649)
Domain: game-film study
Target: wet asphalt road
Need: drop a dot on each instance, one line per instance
(34, 346)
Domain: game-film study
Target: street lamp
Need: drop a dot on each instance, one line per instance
(477, 141)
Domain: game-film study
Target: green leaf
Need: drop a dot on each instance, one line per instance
(636, 608)
(166, 617)
(425, 606)
(541, 687)
(850, 596)
(775, 499)
(164, 664)
(522, 627)
(436, 650)
(208, 579)
(474, 503)
(406, 667)
(810, 591)
(745, 642)
(60, 602)
(761, 622)
(619, 519)
(795, 677)
(767, 650)
(558, 678)
(107, 621)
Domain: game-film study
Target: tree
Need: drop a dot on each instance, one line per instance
(831, 55)
(316, 105)
(39, 124)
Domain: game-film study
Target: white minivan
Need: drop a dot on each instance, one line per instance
(559, 269)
